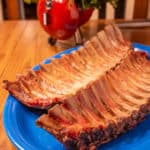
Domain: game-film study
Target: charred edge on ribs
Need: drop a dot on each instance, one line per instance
(113, 104)
(62, 78)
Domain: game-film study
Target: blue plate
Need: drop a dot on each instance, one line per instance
(19, 123)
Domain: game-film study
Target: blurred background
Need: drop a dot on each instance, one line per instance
(127, 9)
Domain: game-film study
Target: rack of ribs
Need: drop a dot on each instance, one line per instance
(112, 104)
(60, 79)
(93, 94)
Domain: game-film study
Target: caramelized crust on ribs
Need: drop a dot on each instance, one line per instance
(97, 92)
(112, 104)
(64, 77)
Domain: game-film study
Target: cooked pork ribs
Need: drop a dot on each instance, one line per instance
(93, 94)
(115, 102)
(64, 77)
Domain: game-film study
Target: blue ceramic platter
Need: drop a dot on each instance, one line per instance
(19, 123)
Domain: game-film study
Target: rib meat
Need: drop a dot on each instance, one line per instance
(64, 77)
(115, 102)
(93, 94)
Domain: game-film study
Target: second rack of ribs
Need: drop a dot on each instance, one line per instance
(114, 103)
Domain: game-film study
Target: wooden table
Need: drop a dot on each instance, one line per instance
(24, 44)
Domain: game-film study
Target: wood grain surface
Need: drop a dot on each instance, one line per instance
(24, 44)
